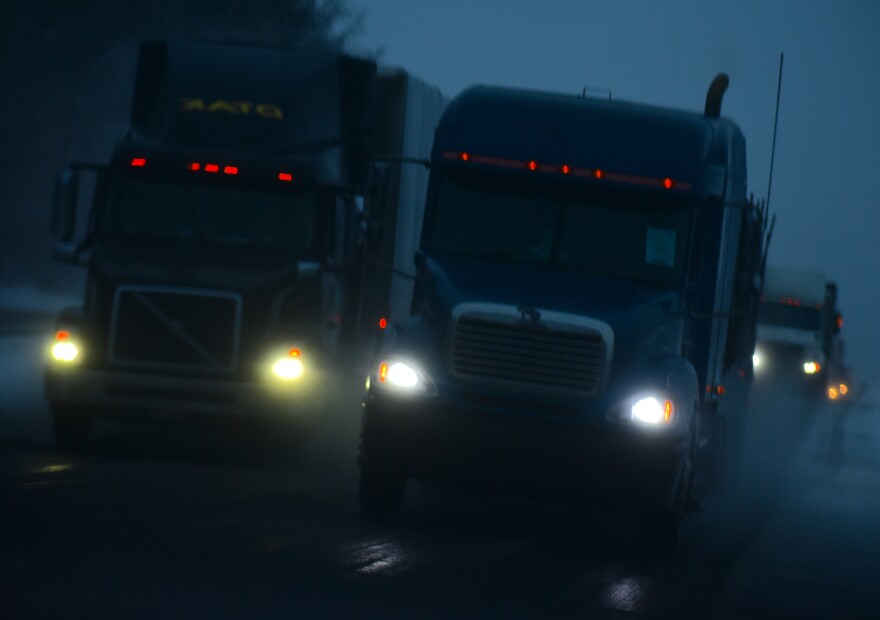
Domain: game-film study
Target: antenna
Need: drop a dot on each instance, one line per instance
(775, 124)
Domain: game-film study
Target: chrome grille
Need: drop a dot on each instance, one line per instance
(170, 328)
(559, 352)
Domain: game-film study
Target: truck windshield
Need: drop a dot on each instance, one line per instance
(807, 318)
(210, 212)
(619, 234)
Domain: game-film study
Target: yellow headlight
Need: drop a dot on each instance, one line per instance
(288, 368)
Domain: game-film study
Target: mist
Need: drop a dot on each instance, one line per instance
(667, 54)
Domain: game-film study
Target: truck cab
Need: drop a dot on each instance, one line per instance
(223, 247)
(587, 285)
(798, 342)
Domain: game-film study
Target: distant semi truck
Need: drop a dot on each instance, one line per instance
(225, 247)
(584, 314)
(799, 330)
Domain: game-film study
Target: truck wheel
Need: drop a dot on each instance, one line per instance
(660, 530)
(381, 489)
(71, 426)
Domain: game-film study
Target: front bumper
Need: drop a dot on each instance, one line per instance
(115, 393)
(600, 464)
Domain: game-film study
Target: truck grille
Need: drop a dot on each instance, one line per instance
(494, 345)
(168, 328)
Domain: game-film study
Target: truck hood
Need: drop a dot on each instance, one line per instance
(646, 320)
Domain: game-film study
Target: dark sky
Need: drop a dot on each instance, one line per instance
(828, 144)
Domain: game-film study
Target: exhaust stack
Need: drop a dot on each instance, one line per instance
(715, 94)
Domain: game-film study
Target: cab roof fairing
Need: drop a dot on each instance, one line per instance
(206, 95)
(612, 136)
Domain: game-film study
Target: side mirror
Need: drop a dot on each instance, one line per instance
(63, 224)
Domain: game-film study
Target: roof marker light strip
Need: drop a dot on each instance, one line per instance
(566, 169)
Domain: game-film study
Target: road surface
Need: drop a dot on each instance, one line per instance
(181, 521)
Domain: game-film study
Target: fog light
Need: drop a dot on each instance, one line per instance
(288, 368)
(65, 351)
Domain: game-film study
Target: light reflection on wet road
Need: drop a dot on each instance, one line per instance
(184, 521)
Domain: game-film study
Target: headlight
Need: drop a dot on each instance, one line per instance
(653, 410)
(64, 349)
(811, 367)
(757, 360)
(289, 367)
(402, 377)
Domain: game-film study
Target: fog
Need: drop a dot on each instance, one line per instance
(69, 75)
(667, 53)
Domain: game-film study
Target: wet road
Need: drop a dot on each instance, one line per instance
(187, 521)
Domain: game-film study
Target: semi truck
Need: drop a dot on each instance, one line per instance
(225, 246)
(798, 338)
(584, 314)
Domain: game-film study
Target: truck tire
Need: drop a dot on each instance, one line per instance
(381, 489)
(71, 426)
(660, 530)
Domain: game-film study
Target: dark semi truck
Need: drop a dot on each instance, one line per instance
(584, 314)
(225, 241)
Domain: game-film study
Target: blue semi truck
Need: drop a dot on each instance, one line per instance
(224, 247)
(584, 312)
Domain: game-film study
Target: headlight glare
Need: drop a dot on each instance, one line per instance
(401, 377)
(757, 360)
(65, 351)
(288, 368)
(811, 367)
(652, 410)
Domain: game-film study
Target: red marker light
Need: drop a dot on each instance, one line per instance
(195, 166)
(667, 183)
(212, 168)
(533, 165)
(294, 352)
(383, 323)
(464, 156)
(565, 169)
(598, 173)
(720, 390)
(62, 334)
(285, 176)
(138, 162)
(230, 170)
